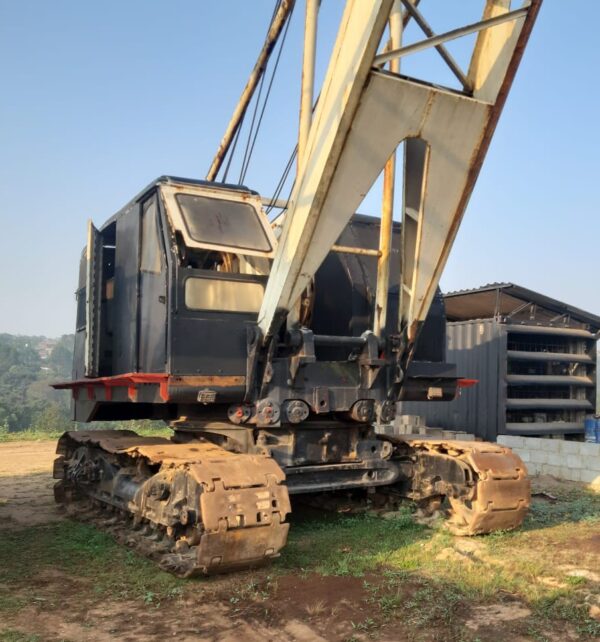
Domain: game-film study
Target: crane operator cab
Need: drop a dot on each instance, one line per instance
(168, 285)
(167, 302)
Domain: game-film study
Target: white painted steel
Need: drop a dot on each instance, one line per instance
(493, 51)
(361, 118)
(308, 231)
(391, 110)
(502, 18)
(168, 193)
(308, 75)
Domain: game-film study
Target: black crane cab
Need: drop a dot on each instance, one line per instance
(166, 288)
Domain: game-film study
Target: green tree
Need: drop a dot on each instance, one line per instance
(25, 377)
(51, 419)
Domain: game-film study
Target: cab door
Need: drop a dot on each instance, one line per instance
(152, 309)
(93, 289)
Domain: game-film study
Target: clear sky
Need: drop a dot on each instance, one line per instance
(99, 98)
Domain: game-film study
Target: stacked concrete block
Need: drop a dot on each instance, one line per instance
(414, 425)
(409, 424)
(569, 460)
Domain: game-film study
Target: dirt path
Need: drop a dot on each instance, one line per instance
(26, 484)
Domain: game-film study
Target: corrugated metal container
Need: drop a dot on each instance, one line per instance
(532, 379)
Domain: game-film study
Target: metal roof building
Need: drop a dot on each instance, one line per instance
(534, 359)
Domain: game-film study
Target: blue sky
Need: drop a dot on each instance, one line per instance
(100, 98)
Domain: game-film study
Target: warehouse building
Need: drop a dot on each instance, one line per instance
(534, 359)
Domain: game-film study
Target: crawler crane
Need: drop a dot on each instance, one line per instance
(273, 350)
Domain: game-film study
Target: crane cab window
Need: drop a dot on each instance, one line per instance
(221, 222)
(223, 295)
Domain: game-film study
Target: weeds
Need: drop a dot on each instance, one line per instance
(144, 428)
(316, 609)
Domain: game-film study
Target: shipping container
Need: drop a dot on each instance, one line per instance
(534, 359)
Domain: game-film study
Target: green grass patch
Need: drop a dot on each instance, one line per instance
(82, 551)
(573, 505)
(424, 576)
(430, 576)
(30, 435)
(146, 429)
(352, 545)
(562, 605)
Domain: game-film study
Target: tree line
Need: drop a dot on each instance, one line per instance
(28, 365)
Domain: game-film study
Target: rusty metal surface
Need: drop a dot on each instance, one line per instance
(205, 510)
(501, 492)
(112, 441)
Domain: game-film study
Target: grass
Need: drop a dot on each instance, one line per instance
(82, 551)
(151, 430)
(350, 545)
(423, 577)
(448, 574)
(11, 635)
(29, 435)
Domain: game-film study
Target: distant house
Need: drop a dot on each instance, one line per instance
(45, 347)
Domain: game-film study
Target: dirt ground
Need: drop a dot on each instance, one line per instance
(253, 606)
(26, 484)
(26, 499)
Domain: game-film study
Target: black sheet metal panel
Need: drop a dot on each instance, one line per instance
(152, 323)
(476, 348)
(345, 286)
(208, 342)
(181, 316)
(126, 290)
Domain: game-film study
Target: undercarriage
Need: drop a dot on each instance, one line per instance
(198, 508)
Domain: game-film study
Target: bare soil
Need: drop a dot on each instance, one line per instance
(26, 484)
(305, 607)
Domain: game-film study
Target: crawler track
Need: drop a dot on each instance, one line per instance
(486, 485)
(195, 508)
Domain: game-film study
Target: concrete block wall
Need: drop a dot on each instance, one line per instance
(570, 460)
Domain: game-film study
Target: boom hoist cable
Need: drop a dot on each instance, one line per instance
(282, 14)
(252, 136)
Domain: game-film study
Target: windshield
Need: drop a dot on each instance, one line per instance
(221, 222)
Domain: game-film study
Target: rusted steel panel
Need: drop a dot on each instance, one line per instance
(495, 491)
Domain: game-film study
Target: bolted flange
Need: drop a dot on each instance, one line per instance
(295, 411)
